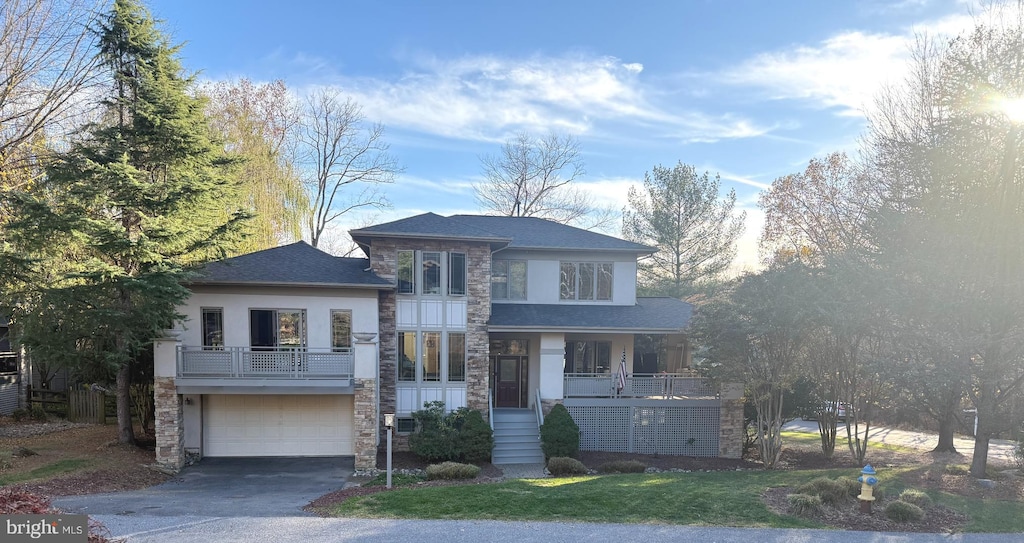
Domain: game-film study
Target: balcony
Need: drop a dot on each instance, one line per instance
(241, 369)
(646, 386)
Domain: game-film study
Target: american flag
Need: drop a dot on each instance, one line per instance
(622, 371)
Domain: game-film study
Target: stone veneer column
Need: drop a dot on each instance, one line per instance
(170, 433)
(365, 423)
(477, 338)
(730, 431)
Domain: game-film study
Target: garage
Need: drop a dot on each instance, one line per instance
(277, 425)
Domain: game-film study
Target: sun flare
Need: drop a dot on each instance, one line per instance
(1013, 108)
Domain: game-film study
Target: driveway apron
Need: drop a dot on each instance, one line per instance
(226, 487)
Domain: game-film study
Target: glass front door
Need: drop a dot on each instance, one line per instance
(510, 381)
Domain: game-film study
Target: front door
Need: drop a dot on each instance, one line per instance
(509, 371)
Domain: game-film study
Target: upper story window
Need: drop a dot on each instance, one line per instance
(508, 280)
(341, 329)
(213, 327)
(437, 271)
(277, 328)
(585, 281)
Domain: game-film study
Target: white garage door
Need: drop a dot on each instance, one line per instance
(276, 425)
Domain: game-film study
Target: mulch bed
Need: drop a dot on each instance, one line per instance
(847, 516)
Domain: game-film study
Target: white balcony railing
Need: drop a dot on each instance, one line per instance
(662, 385)
(250, 363)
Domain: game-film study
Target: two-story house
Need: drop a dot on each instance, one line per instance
(291, 351)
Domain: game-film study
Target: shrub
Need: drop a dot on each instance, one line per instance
(830, 491)
(561, 466)
(476, 439)
(36, 413)
(462, 434)
(451, 470)
(903, 512)
(958, 469)
(915, 497)
(623, 466)
(804, 504)
(851, 485)
(559, 435)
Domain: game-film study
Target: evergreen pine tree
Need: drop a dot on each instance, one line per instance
(143, 194)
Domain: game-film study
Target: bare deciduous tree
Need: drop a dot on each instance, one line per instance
(344, 160)
(534, 178)
(46, 61)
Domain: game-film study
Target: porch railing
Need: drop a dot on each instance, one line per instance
(661, 385)
(246, 362)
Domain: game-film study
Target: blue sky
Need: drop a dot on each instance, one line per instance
(750, 90)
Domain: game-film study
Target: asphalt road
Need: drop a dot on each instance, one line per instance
(316, 530)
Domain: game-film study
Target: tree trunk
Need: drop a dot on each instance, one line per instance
(979, 464)
(946, 427)
(125, 431)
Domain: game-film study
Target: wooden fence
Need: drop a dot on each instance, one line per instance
(79, 405)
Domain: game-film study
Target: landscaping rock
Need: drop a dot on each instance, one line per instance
(987, 483)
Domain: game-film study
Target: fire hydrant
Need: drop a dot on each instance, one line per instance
(867, 482)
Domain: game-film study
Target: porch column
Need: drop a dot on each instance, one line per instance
(730, 421)
(170, 434)
(552, 365)
(367, 404)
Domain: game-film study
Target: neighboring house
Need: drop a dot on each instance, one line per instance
(506, 315)
(10, 376)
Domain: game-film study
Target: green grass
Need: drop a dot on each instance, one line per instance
(712, 499)
(397, 479)
(50, 470)
(994, 516)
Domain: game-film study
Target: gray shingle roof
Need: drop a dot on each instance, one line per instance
(649, 315)
(513, 232)
(429, 225)
(535, 233)
(298, 264)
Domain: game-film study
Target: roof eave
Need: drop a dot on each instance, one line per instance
(636, 251)
(417, 235)
(584, 329)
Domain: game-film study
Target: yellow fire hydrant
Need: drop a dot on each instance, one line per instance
(867, 482)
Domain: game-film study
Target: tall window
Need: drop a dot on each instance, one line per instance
(508, 280)
(407, 356)
(213, 327)
(406, 273)
(341, 329)
(588, 356)
(431, 272)
(431, 356)
(8, 360)
(585, 280)
(277, 328)
(456, 356)
(456, 274)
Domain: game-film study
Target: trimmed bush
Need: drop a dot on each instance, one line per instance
(851, 485)
(804, 504)
(830, 491)
(916, 497)
(561, 466)
(623, 466)
(476, 439)
(451, 470)
(903, 512)
(559, 435)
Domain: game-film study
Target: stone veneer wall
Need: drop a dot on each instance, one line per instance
(170, 434)
(547, 405)
(365, 438)
(383, 260)
(730, 432)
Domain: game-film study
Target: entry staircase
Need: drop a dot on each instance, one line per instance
(516, 437)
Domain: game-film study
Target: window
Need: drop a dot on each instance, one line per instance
(341, 329)
(407, 356)
(508, 280)
(585, 281)
(406, 277)
(213, 327)
(277, 328)
(8, 360)
(588, 356)
(431, 356)
(456, 357)
(431, 272)
(456, 274)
